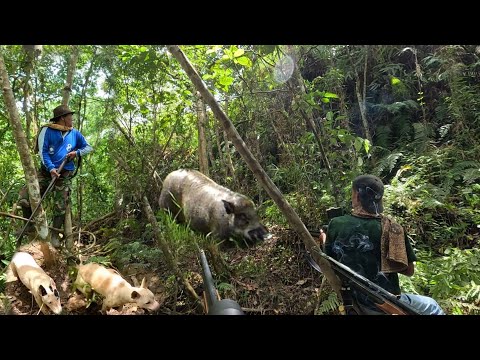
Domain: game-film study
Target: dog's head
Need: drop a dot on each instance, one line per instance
(144, 298)
(51, 297)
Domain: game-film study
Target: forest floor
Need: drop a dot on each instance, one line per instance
(271, 278)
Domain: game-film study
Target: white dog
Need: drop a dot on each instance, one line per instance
(115, 289)
(24, 267)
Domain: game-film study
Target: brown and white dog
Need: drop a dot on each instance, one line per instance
(24, 267)
(115, 289)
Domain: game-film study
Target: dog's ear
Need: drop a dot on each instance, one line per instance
(42, 290)
(135, 295)
(144, 283)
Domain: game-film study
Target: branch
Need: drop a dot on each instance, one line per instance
(24, 219)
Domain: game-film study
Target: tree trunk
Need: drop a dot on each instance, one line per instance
(26, 93)
(26, 159)
(202, 140)
(362, 99)
(209, 138)
(257, 170)
(220, 152)
(83, 97)
(227, 149)
(33, 52)
(68, 227)
(83, 101)
(67, 90)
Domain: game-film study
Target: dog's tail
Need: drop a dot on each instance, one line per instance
(11, 273)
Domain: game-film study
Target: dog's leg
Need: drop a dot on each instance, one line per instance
(111, 302)
(39, 301)
(106, 304)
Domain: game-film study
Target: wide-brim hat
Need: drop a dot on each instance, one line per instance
(61, 110)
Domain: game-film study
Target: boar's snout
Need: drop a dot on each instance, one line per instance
(259, 234)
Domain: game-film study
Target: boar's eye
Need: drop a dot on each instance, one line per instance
(241, 219)
(55, 292)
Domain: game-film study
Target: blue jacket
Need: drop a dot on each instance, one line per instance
(53, 147)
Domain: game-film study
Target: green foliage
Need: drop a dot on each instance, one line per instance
(329, 305)
(101, 260)
(222, 72)
(453, 280)
(272, 214)
(387, 163)
(434, 199)
(3, 276)
(180, 237)
(224, 287)
(421, 137)
(135, 252)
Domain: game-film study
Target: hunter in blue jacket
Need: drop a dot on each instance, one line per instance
(56, 141)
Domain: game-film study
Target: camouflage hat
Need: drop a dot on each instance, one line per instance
(370, 189)
(61, 110)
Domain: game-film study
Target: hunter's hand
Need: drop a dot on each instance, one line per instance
(72, 155)
(54, 174)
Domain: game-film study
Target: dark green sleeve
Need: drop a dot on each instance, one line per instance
(410, 254)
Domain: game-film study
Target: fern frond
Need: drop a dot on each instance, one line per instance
(470, 175)
(328, 305)
(383, 135)
(464, 165)
(420, 136)
(388, 163)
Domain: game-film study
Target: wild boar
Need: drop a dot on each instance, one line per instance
(209, 207)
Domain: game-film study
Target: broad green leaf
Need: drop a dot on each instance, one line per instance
(358, 143)
(329, 116)
(244, 61)
(238, 53)
(366, 145)
(359, 161)
(395, 81)
(128, 107)
(330, 95)
(226, 80)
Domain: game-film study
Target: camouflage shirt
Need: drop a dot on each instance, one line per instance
(355, 242)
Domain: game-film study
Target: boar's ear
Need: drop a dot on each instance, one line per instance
(135, 294)
(229, 207)
(42, 290)
(144, 283)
